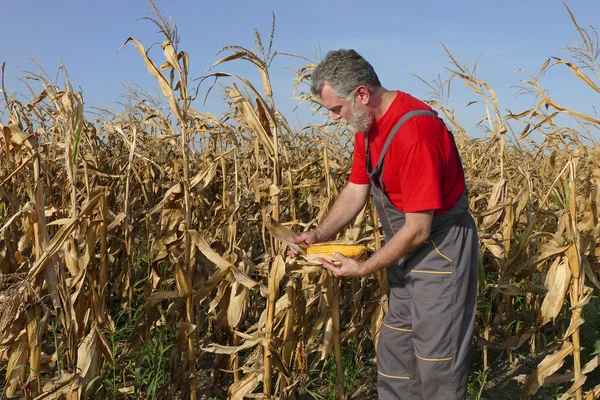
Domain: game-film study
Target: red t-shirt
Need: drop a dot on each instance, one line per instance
(422, 168)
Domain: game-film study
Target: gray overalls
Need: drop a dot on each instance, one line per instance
(424, 347)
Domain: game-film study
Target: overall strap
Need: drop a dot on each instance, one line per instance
(375, 174)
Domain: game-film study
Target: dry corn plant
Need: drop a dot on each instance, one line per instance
(65, 260)
(136, 260)
(302, 301)
(536, 207)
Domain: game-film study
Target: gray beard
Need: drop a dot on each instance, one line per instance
(361, 120)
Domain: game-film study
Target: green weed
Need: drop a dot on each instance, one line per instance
(152, 363)
(322, 385)
(476, 385)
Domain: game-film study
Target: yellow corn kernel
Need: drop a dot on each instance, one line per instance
(327, 249)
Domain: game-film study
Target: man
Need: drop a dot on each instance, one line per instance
(415, 176)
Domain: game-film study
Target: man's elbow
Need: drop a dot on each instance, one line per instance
(419, 227)
(421, 235)
(418, 233)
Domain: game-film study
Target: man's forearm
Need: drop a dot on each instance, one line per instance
(408, 238)
(401, 244)
(344, 210)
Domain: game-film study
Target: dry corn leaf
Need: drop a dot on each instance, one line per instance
(71, 257)
(11, 220)
(282, 233)
(512, 343)
(238, 305)
(589, 273)
(327, 339)
(128, 390)
(549, 250)
(584, 297)
(221, 349)
(276, 272)
(557, 282)
(208, 252)
(281, 304)
(15, 370)
(573, 326)
(495, 196)
(88, 356)
(170, 55)
(155, 72)
(587, 368)
(157, 297)
(578, 73)
(277, 362)
(251, 118)
(183, 282)
(549, 365)
(104, 346)
(19, 138)
(220, 262)
(509, 289)
(118, 219)
(593, 394)
(65, 384)
(521, 202)
(576, 385)
(238, 390)
(184, 331)
(204, 176)
(58, 239)
(493, 246)
(574, 260)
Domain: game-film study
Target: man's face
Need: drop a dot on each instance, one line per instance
(358, 116)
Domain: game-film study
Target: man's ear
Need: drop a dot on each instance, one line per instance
(364, 96)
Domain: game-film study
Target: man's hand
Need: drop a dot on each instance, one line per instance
(308, 237)
(348, 267)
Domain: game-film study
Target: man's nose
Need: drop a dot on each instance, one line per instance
(336, 116)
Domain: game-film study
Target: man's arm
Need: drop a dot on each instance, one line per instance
(345, 208)
(415, 231)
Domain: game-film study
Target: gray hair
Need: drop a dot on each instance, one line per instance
(344, 70)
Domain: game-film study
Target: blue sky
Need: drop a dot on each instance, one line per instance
(399, 38)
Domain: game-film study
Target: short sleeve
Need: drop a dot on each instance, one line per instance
(358, 174)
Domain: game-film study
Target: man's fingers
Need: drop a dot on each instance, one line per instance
(338, 256)
(330, 266)
(326, 263)
(333, 269)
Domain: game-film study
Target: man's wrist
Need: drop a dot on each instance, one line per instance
(374, 264)
(323, 237)
(366, 268)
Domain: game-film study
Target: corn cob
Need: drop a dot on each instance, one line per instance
(327, 249)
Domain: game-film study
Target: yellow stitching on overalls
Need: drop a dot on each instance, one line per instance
(431, 272)
(397, 329)
(433, 359)
(392, 376)
(438, 250)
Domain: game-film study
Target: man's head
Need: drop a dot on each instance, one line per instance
(345, 81)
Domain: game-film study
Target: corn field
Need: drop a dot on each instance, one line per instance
(137, 260)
